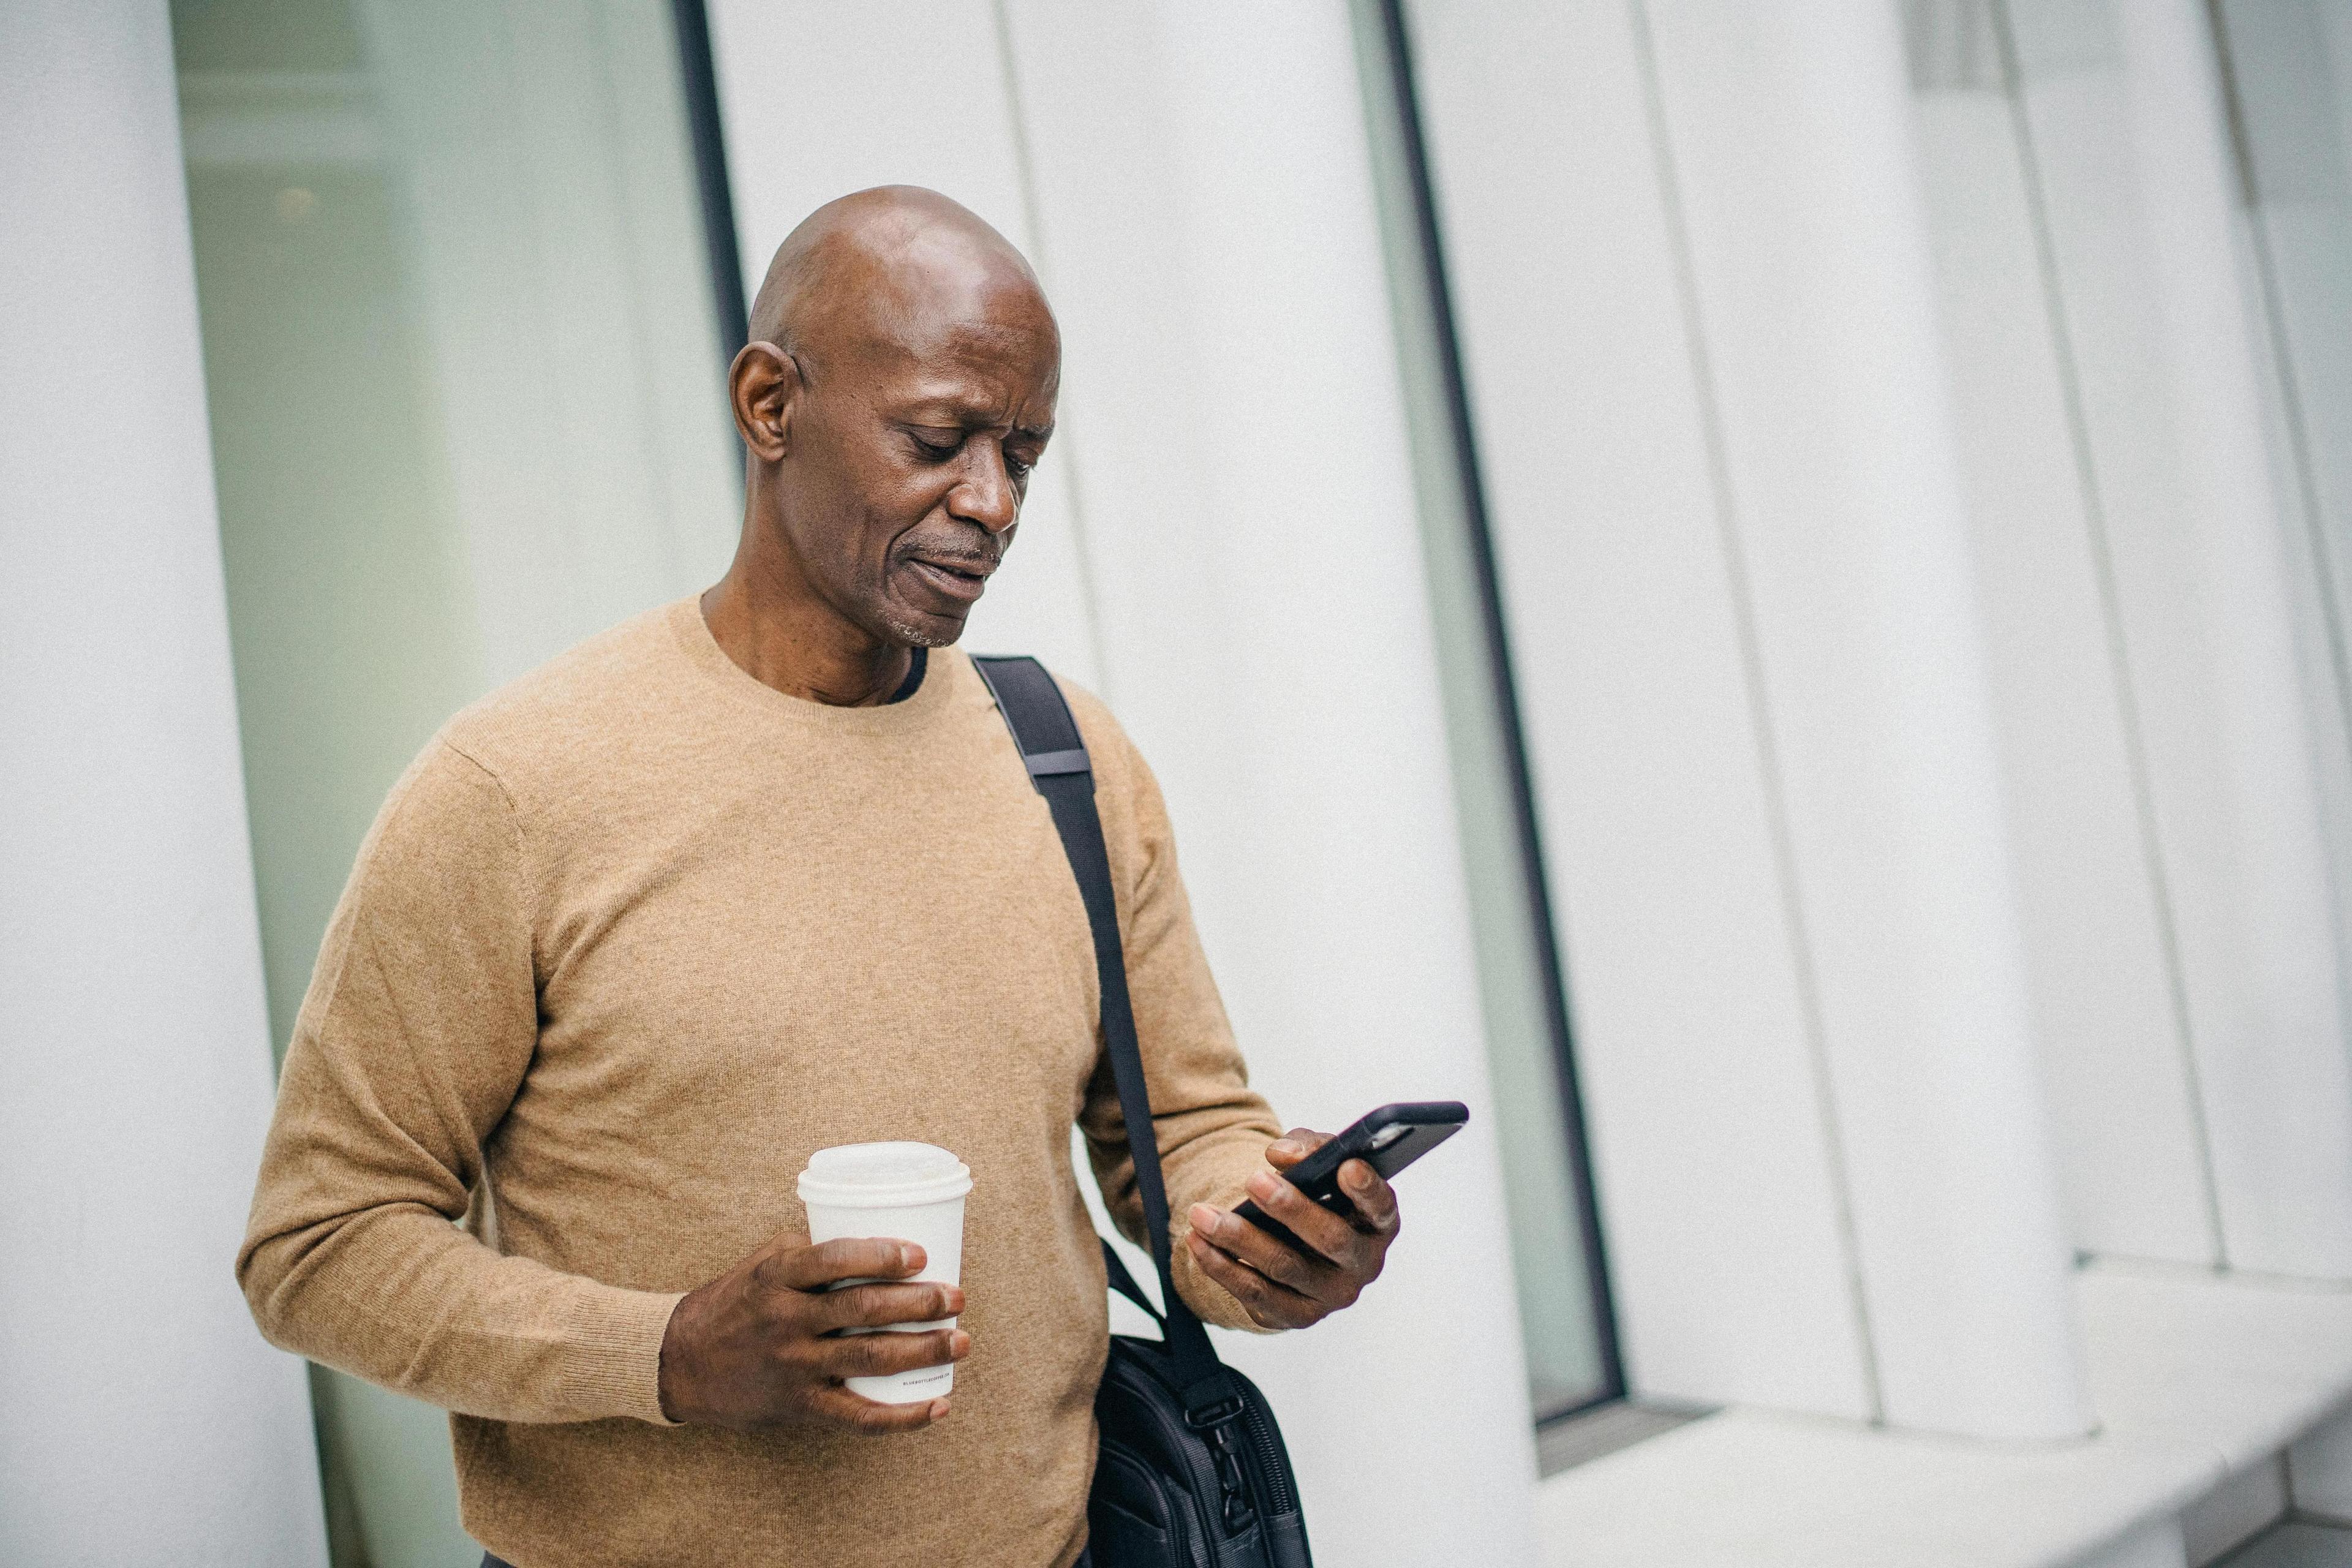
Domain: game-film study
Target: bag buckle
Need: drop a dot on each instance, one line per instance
(1223, 1413)
(1215, 1424)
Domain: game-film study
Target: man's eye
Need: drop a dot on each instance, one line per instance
(1018, 467)
(933, 448)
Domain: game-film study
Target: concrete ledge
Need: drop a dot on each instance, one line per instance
(2242, 1364)
(2197, 1377)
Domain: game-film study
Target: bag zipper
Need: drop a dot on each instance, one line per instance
(1274, 1469)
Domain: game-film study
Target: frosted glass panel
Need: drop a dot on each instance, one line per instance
(2289, 69)
(465, 379)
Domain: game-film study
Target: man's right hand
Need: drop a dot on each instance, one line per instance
(756, 1346)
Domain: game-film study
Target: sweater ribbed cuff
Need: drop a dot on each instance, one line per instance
(612, 1364)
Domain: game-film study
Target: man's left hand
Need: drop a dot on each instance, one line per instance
(1278, 1285)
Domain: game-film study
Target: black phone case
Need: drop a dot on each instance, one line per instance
(1427, 1123)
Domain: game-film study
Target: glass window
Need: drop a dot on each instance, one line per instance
(2287, 71)
(463, 357)
(1564, 1308)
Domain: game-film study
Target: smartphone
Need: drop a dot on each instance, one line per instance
(1388, 1140)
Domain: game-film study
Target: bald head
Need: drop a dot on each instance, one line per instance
(897, 391)
(878, 262)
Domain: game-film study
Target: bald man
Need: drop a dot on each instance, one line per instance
(754, 873)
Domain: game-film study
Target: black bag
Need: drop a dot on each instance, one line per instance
(1192, 1472)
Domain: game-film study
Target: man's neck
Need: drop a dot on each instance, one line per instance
(799, 646)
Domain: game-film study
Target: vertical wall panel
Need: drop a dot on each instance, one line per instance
(2278, 1089)
(1767, 759)
(2124, 116)
(1791, 137)
(1720, 1197)
(146, 1422)
(2098, 947)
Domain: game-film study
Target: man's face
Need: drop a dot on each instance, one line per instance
(911, 441)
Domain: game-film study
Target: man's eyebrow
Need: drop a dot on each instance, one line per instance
(963, 411)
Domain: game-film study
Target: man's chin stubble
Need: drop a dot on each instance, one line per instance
(913, 636)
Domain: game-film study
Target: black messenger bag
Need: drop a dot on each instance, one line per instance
(1192, 1472)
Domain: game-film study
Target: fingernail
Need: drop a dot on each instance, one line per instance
(955, 1301)
(1261, 1185)
(1283, 1146)
(906, 1258)
(1357, 1178)
(959, 1344)
(1205, 1218)
(939, 1409)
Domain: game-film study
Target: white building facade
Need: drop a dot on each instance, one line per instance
(1759, 592)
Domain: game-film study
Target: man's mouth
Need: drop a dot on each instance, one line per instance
(962, 581)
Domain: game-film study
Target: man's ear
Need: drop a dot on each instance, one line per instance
(764, 384)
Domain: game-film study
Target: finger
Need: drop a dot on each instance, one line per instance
(1375, 1200)
(1303, 1272)
(880, 1355)
(1330, 1238)
(1294, 1146)
(1273, 1305)
(880, 1306)
(839, 1407)
(867, 1257)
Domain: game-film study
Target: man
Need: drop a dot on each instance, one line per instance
(745, 877)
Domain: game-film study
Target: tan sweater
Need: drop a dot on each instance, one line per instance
(630, 939)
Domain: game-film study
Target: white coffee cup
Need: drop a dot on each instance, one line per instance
(902, 1191)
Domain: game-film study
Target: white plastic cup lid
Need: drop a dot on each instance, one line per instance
(883, 1175)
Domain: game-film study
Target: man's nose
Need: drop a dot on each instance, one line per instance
(985, 494)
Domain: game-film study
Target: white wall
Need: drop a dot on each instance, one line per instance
(1229, 515)
(1697, 301)
(146, 1422)
(1791, 138)
(2173, 726)
(2260, 922)
(1915, 544)
(1722, 1197)
(2239, 722)
(2101, 946)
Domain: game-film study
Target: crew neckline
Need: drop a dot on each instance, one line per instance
(692, 634)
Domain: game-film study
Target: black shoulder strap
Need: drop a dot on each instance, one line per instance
(1056, 758)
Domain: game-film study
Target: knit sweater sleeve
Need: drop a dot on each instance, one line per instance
(413, 1041)
(1211, 1126)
